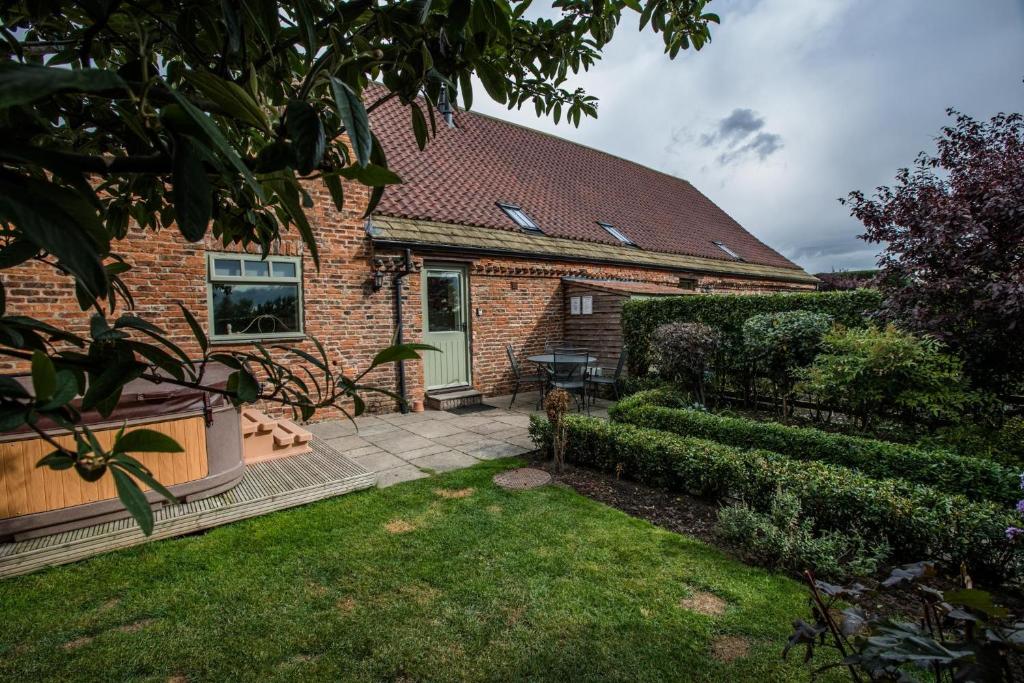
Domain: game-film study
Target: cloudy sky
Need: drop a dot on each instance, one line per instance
(797, 102)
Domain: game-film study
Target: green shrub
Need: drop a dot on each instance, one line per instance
(869, 373)
(683, 353)
(785, 538)
(975, 478)
(1004, 445)
(778, 344)
(728, 312)
(916, 521)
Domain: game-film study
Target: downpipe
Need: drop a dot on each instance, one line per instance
(407, 269)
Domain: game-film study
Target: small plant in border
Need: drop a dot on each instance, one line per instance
(962, 635)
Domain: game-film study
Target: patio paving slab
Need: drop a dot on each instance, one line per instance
(480, 443)
(432, 430)
(509, 433)
(458, 439)
(347, 444)
(499, 450)
(399, 441)
(445, 461)
(488, 427)
(399, 474)
(332, 429)
(515, 420)
(378, 462)
(466, 421)
(409, 456)
(523, 441)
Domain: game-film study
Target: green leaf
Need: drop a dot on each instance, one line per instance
(419, 125)
(276, 156)
(400, 352)
(217, 139)
(197, 330)
(977, 600)
(286, 188)
(230, 97)
(35, 208)
(422, 8)
(337, 190)
(26, 83)
(65, 390)
(193, 196)
(306, 21)
(44, 376)
(353, 115)
(134, 500)
(105, 389)
(244, 385)
(56, 460)
(16, 253)
(146, 441)
(493, 80)
(142, 473)
(307, 134)
(372, 175)
(466, 87)
(12, 416)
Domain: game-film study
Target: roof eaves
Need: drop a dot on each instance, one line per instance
(445, 236)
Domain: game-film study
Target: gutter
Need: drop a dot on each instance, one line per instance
(484, 251)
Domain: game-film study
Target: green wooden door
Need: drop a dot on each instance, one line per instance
(446, 326)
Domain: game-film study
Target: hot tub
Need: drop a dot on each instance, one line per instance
(36, 501)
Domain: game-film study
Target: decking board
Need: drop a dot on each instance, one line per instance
(266, 486)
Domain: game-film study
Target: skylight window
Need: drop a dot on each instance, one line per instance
(727, 250)
(616, 233)
(519, 217)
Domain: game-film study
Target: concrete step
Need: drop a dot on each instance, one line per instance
(446, 400)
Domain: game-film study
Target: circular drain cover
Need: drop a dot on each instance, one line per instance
(522, 478)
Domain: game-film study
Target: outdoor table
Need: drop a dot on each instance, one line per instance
(583, 359)
(566, 358)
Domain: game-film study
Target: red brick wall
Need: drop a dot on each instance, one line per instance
(519, 300)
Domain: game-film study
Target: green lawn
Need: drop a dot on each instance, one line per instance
(404, 584)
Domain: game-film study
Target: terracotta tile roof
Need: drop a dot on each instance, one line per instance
(565, 187)
(630, 287)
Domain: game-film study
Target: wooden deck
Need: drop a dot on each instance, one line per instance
(266, 487)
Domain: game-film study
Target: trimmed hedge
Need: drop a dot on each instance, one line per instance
(973, 477)
(917, 521)
(728, 312)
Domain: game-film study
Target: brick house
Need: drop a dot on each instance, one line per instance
(475, 250)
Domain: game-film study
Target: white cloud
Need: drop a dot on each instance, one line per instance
(852, 90)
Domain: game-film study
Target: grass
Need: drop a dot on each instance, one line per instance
(405, 584)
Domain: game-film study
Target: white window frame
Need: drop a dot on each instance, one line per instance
(616, 233)
(520, 217)
(727, 250)
(212, 279)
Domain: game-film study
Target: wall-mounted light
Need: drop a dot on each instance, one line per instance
(378, 274)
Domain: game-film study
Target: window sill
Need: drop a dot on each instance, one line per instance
(257, 340)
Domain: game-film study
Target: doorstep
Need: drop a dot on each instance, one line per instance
(458, 397)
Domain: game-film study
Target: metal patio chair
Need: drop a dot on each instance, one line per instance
(569, 375)
(520, 378)
(594, 382)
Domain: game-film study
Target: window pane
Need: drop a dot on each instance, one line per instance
(444, 302)
(252, 310)
(227, 266)
(283, 269)
(257, 268)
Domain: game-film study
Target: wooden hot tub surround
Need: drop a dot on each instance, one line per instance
(36, 501)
